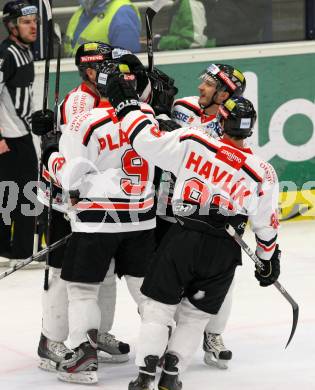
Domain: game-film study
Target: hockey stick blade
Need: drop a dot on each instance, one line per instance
(37, 257)
(297, 211)
(295, 307)
(57, 32)
(158, 4)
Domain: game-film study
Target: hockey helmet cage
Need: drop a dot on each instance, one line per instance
(227, 77)
(12, 10)
(239, 116)
(113, 67)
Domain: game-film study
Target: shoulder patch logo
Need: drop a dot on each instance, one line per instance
(231, 156)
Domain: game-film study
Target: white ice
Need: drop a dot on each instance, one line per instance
(257, 332)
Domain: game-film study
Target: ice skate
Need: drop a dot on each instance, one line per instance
(51, 353)
(81, 365)
(146, 377)
(111, 350)
(169, 377)
(216, 354)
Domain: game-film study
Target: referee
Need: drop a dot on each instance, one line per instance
(18, 160)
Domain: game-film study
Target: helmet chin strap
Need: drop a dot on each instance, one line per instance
(212, 101)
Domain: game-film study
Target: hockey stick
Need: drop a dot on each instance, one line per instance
(149, 15)
(49, 215)
(298, 210)
(49, 50)
(295, 307)
(45, 100)
(37, 257)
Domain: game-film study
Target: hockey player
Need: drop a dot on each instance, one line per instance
(114, 217)
(218, 182)
(218, 83)
(52, 349)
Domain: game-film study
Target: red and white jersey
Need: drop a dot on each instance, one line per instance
(77, 101)
(80, 99)
(212, 172)
(187, 112)
(115, 184)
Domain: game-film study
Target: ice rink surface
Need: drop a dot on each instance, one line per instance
(257, 332)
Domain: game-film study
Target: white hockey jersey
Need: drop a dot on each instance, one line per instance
(115, 184)
(77, 101)
(187, 112)
(212, 172)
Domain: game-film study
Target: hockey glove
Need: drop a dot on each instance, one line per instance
(50, 144)
(136, 67)
(163, 92)
(167, 124)
(42, 122)
(121, 95)
(271, 270)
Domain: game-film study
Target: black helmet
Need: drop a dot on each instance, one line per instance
(239, 116)
(113, 67)
(93, 54)
(227, 77)
(12, 10)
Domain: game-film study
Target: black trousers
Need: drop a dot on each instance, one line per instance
(20, 166)
(192, 264)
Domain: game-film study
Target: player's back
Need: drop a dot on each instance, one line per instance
(113, 177)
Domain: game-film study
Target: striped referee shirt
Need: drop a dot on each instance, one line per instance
(16, 97)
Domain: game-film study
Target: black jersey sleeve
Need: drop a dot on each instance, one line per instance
(7, 67)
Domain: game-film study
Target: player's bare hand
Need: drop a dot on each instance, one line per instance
(4, 147)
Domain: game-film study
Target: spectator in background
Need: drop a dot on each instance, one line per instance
(116, 22)
(187, 27)
(240, 22)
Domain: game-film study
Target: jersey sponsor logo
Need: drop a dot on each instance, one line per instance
(270, 174)
(215, 126)
(94, 58)
(77, 122)
(182, 117)
(230, 156)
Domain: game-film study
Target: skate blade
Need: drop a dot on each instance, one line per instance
(47, 365)
(211, 361)
(104, 357)
(87, 377)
